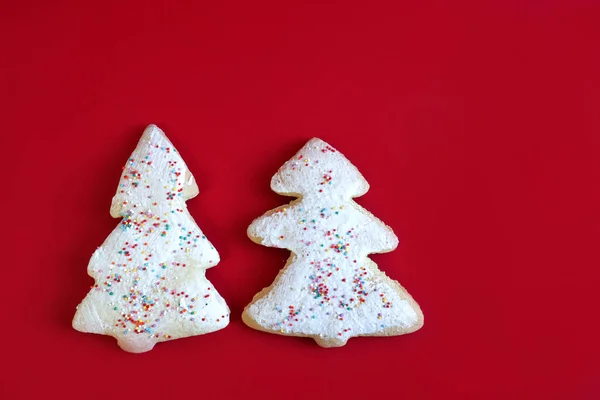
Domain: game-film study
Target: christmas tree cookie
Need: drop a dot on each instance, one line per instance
(329, 289)
(150, 272)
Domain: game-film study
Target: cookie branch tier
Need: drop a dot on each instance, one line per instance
(150, 272)
(329, 289)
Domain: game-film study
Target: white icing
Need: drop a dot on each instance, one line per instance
(330, 289)
(150, 271)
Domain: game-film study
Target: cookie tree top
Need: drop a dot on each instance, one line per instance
(150, 285)
(329, 290)
(324, 162)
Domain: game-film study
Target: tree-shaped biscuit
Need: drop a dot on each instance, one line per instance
(150, 272)
(329, 289)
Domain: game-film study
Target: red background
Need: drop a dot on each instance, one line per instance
(476, 125)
